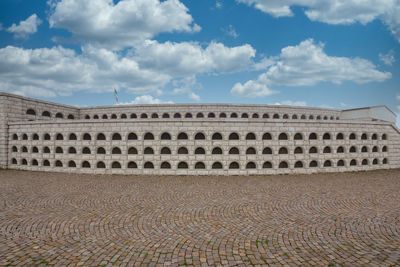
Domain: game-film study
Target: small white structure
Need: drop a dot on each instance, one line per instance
(194, 139)
(381, 113)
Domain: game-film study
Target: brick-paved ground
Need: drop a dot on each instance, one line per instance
(346, 219)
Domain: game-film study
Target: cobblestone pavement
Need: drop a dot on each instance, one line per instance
(346, 219)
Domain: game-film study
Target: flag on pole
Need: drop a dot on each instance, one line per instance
(116, 95)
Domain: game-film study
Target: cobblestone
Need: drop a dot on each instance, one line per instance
(346, 219)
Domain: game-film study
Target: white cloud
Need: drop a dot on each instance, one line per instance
(337, 11)
(307, 64)
(392, 19)
(231, 32)
(387, 59)
(122, 24)
(343, 104)
(186, 86)
(328, 11)
(58, 71)
(252, 89)
(182, 59)
(194, 96)
(132, 23)
(219, 5)
(263, 63)
(141, 65)
(398, 97)
(25, 27)
(276, 8)
(146, 99)
(48, 72)
(292, 103)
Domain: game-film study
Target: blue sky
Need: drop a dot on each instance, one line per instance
(328, 53)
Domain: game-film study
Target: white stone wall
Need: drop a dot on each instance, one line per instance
(3, 132)
(208, 128)
(24, 144)
(18, 106)
(188, 111)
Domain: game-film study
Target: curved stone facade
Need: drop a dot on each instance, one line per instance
(202, 139)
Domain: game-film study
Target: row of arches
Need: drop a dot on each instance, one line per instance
(187, 115)
(177, 115)
(48, 114)
(202, 136)
(201, 150)
(202, 165)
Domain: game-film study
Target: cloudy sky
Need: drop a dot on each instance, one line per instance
(325, 53)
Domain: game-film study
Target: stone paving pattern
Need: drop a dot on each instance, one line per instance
(346, 219)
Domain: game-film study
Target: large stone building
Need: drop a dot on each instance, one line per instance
(194, 139)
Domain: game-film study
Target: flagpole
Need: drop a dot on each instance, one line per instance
(116, 95)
